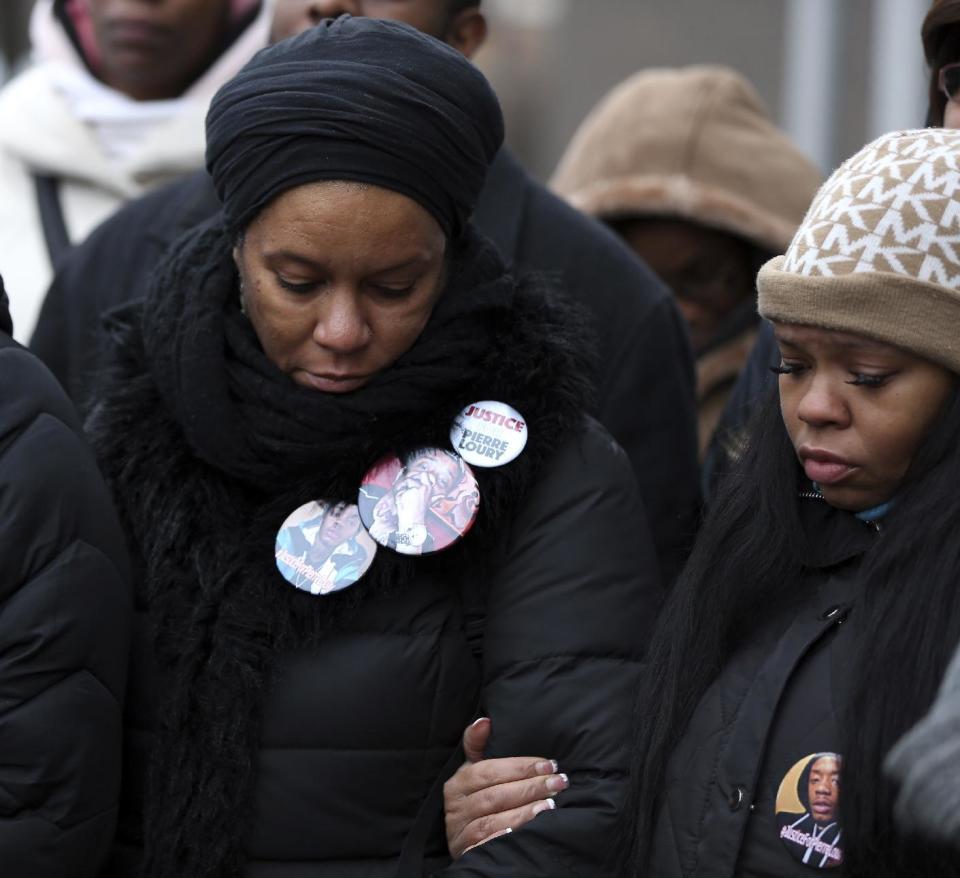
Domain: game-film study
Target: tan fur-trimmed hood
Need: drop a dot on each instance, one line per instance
(693, 143)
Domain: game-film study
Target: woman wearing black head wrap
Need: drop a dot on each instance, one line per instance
(341, 310)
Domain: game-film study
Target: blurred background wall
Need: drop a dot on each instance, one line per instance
(835, 73)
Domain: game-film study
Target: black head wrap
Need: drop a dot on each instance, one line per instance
(355, 99)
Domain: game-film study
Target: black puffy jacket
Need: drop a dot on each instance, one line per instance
(65, 615)
(778, 701)
(354, 727)
(355, 733)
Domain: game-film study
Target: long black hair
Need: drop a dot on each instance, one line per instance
(745, 565)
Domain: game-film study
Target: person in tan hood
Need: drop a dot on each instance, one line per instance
(688, 167)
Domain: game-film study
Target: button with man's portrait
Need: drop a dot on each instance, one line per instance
(489, 433)
(808, 811)
(422, 506)
(322, 547)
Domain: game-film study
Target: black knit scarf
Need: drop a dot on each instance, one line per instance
(208, 447)
(241, 413)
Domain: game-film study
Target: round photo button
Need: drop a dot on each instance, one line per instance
(808, 811)
(322, 547)
(421, 507)
(488, 433)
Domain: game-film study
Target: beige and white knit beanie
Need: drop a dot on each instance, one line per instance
(878, 253)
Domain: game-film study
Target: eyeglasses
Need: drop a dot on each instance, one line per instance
(948, 81)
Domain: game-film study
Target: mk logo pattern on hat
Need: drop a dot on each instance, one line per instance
(893, 207)
(878, 253)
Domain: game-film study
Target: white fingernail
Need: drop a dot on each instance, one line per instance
(479, 720)
(545, 805)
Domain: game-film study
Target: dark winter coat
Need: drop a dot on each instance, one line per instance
(65, 618)
(645, 377)
(778, 700)
(349, 706)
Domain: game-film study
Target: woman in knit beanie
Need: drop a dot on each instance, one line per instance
(941, 44)
(820, 609)
(687, 166)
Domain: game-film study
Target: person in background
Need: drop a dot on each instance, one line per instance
(688, 168)
(644, 371)
(65, 629)
(112, 107)
(819, 611)
(941, 48)
(924, 763)
(330, 324)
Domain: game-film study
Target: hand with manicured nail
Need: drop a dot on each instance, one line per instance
(488, 798)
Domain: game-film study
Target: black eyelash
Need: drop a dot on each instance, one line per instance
(295, 288)
(863, 380)
(784, 369)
